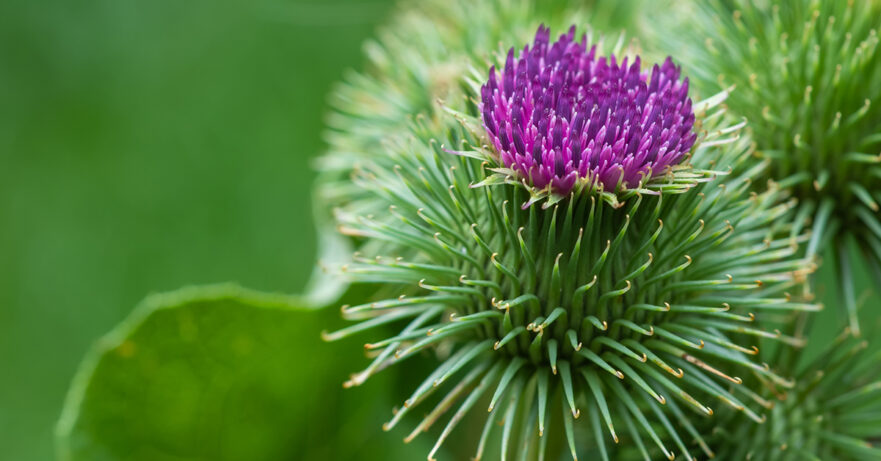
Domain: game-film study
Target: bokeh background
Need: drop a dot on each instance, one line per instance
(147, 145)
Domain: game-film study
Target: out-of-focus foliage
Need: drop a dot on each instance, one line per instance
(221, 373)
(146, 145)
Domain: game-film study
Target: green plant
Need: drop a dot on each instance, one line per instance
(583, 244)
(594, 301)
(808, 78)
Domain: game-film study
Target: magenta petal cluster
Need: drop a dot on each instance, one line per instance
(560, 113)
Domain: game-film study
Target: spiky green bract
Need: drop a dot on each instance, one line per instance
(586, 307)
(808, 77)
(423, 55)
(832, 412)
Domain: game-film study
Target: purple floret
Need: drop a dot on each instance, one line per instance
(559, 113)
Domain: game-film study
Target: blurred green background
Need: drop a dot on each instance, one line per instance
(146, 145)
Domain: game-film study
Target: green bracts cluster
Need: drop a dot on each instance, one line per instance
(582, 304)
(832, 412)
(660, 322)
(808, 78)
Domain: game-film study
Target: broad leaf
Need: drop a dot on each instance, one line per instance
(223, 373)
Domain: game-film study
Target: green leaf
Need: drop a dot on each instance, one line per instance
(224, 373)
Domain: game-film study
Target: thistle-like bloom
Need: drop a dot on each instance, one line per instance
(636, 310)
(560, 115)
(418, 59)
(808, 78)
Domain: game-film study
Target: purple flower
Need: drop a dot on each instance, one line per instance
(559, 113)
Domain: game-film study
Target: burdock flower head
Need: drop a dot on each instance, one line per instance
(808, 77)
(561, 117)
(631, 296)
(420, 57)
